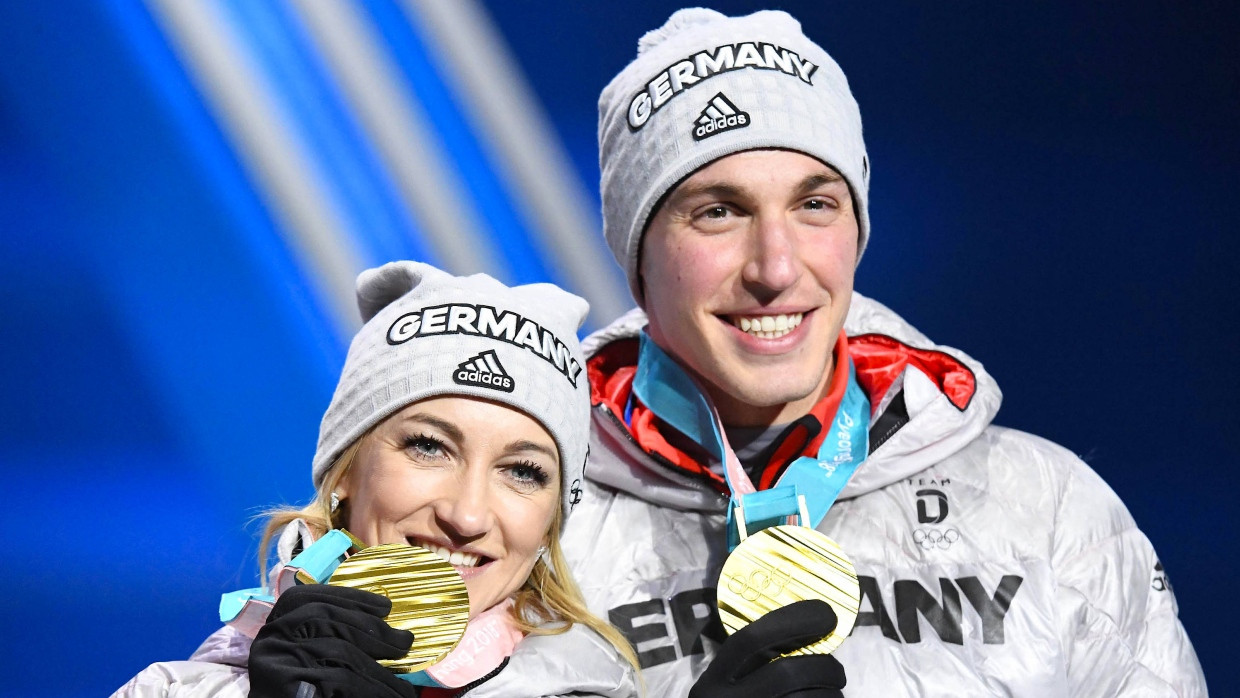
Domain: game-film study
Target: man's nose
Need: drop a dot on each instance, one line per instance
(773, 263)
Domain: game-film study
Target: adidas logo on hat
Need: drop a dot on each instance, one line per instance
(484, 371)
(719, 115)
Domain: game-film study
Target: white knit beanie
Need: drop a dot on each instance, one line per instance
(705, 85)
(429, 333)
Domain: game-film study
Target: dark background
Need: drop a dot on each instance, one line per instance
(1054, 191)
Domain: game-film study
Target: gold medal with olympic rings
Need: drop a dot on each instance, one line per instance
(428, 598)
(784, 564)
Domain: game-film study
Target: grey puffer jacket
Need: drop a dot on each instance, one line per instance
(578, 662)
(992, 562)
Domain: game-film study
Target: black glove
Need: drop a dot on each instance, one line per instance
(328, 638)
(743, 666)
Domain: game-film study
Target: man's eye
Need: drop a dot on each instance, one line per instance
(818, 204)
(715, 212)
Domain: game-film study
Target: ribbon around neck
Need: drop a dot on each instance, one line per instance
(679, 401)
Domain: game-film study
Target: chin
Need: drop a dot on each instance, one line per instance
(766, 390)
(477, 605)
(483, 597)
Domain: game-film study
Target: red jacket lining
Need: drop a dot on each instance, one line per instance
(879, 360)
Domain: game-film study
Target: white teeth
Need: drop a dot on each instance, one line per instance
(455, 558)
(769, 326)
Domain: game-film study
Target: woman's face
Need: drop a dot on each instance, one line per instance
(472, 480)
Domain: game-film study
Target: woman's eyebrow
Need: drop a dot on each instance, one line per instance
(449, 429)
(523, 445)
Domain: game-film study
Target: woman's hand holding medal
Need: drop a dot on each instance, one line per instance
(353, 635)
(330, 638)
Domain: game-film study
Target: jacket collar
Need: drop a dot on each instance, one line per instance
(936, 399)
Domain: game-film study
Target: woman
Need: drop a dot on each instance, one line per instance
(459, 425)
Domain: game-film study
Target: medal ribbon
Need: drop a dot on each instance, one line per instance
(247, 609)
(678, 400)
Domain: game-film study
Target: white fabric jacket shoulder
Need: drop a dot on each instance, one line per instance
(992, 562)
(578, 662)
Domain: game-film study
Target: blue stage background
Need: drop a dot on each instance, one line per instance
(1054, 191)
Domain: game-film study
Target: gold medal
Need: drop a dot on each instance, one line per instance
(783, 564)
(428, 598)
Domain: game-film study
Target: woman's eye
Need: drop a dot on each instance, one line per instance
(529, 473)
(424, 446)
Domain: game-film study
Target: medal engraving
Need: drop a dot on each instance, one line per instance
(783, 564)
(428, 598)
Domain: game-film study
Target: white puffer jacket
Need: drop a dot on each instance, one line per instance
(575, 663)
(992, 562)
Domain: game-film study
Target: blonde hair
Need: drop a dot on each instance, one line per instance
(548, 603)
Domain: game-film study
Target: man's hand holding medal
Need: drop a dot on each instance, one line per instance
(787, 594)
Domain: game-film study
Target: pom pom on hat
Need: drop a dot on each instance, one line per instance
(678, 22)
(428, 333)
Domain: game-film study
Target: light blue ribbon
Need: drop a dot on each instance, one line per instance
(674, 397)
(663, 386)
(844, 448)
(320, 559)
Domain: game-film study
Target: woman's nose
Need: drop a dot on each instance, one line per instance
(465, 510)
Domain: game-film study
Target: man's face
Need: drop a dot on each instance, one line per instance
(747, 272)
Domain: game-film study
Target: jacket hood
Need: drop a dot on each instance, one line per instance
(932, 400)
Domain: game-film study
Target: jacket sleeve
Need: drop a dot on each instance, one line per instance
(187, 679)
(1118, 617)
(217, 668)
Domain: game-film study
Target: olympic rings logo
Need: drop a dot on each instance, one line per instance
(758, 583)
(934, 538)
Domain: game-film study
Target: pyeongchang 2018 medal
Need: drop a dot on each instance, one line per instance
(784, 564)
(428, 598)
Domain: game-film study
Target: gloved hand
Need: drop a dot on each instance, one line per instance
(744, 667)
(328, 638)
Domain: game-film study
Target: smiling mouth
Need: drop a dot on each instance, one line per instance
(767, 326)
(456, 558)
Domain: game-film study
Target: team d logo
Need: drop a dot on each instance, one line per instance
(719, 115)
(484, 371)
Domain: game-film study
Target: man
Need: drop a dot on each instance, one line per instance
(734, 183)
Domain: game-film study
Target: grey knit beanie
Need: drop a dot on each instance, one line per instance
(704, 86)
(429, 333)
